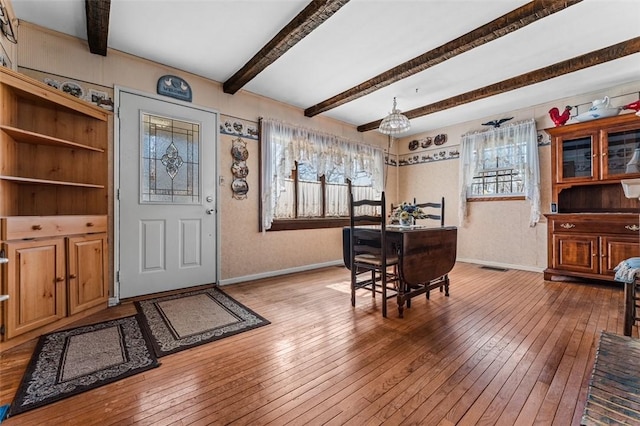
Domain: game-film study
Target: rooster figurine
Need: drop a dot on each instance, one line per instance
(634, 106)
(560, 119)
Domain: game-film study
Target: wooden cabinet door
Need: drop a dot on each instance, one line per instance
(576, 157)
(620, 151)
(35, 283)
(576, 253)
(87, 268)
(614, 250)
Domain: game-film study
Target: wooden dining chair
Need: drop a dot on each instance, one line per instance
(435, 211)
(371, 259)
(430, 209)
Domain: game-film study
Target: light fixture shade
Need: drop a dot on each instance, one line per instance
(394, 123)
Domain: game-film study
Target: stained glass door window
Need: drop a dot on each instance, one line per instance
(170, 157)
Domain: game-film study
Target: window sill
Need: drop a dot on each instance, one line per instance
(310, 223)
(505, 198)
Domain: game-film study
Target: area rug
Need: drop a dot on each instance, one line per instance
(185, 320)
(66, 363)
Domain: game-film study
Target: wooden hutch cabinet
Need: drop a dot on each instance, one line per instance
(53, 207)
(596, 226)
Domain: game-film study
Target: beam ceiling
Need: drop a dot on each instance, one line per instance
(97, 12)
(577, 63)
(497, 28)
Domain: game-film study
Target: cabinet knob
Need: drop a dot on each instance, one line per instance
(72, 276)
(36, 227)
(89, 224)
(59, 279)
(632, 227)
(567, 225)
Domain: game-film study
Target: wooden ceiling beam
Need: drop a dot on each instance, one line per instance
(97, 12)
(298, 28)
(497, 28)
(577, 63)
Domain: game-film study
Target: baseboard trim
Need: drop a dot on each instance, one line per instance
(279, 272)
(502, 265)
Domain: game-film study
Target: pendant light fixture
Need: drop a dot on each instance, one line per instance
(395, 123)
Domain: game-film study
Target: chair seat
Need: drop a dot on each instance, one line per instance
(376, 260)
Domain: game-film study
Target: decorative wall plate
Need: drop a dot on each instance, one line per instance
(239, 150)
(73, 89)
(240, 169)
(440, 139)
(413, 145)
(240, 187)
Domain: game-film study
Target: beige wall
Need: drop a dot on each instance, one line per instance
(245, 253)
(497, 232)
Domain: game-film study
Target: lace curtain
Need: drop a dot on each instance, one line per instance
(513, 146)
(337, 203)
(284, 144)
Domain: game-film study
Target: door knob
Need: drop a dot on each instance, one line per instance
(209, 211)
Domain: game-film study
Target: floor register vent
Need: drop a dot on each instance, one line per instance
(494, 268)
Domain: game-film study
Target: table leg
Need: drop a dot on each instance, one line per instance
(400, 299)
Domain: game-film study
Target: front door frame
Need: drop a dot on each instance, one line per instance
(115, 297)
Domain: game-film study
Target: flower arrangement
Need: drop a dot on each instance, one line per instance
(407, 212)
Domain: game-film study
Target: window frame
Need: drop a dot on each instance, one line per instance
(482, 175)
(290, 224)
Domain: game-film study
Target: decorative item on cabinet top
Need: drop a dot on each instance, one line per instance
(101, 96)
(634, 106)
(559, 119)
(600, 108)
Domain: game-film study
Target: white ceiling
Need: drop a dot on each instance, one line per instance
(215, 38)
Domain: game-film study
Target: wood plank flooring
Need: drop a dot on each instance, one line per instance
(505, 348)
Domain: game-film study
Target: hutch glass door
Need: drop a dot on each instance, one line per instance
(577, 158)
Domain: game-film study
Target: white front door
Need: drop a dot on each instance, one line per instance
(166, 209)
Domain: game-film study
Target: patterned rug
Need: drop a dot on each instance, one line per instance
(69, 362)
(185, 320)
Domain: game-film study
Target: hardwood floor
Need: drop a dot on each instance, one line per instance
(505, 348)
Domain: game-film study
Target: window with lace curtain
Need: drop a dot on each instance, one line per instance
(501, 163)
(308, 195)
(307, 176)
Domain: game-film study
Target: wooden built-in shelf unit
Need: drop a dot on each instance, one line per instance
(53, 207)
